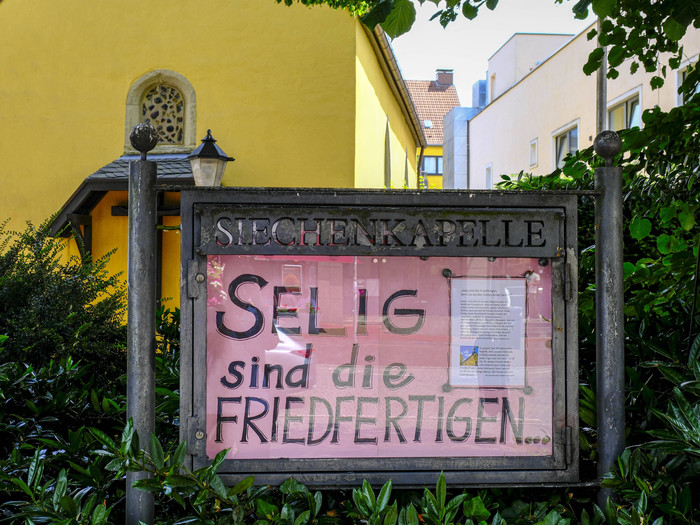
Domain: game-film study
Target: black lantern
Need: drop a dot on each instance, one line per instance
(208, 162)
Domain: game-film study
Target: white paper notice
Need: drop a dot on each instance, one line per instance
(487, 328)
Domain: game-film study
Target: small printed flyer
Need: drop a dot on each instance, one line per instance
(487, 332)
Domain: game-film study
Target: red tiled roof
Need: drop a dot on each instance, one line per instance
(432, 101)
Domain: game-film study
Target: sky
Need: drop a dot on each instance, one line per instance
(466, 45)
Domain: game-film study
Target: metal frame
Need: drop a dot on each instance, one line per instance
(200, 206)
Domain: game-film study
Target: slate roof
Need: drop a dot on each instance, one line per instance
(172, 169)
(432, 101)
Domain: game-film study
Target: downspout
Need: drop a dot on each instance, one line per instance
(469, 157)
(424, 185)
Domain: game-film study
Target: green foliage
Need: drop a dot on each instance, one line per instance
(77, 494)
(402, 15)
(374, 510)
(62, 362)
(661, 468)
(436, 509)
(51, 309)
(639, 32)
(355, 7)
(64, 450)
(167, 373)
(39, 404)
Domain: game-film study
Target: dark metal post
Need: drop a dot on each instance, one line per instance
(610, 357)
(140, 371)
(601, 98)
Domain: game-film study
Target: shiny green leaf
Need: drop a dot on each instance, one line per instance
(603, 8)
(378, 13)
(469, 11)
(241, 486)
(400, 19)
(640, 228)
(687, 219)
(673, 29)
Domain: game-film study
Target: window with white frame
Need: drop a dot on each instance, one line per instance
(533, 153)
(565, 142)
(681, 76)
(432, 165)
(488, 176)
(626, 114)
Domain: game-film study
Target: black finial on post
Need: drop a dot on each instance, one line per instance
(607, 144)
(143, 138)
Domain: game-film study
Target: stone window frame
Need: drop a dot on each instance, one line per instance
(532, 152)
(133, 109)
(488, 176)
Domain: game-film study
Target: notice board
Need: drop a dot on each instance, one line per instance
(335, 336)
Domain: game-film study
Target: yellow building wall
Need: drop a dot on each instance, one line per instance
(434, 181)
(274, 83)
(170, 290)
(432, 151)
(376, 104)
(110, 233)
(291, 92)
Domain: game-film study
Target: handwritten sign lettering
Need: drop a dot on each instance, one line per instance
(363, 356)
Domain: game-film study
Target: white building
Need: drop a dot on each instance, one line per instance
(542, 106)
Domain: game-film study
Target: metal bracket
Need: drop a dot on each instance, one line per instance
(194, 434)
(571, 270)
(559, 284)
(195, 279)
(567, 436)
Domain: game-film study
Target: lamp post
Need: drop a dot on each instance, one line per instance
(208, 162)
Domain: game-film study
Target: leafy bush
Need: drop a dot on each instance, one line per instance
(661, 172)
(54, 422)
(51, 309)
(65, 449)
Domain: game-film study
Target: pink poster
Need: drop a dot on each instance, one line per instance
(359, 356)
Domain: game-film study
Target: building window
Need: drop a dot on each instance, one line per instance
(681, 78)
(432, 165)
(488, 176)
(167, 101)
(533, 153)
(164, 108)
(565, 143)
(627, 114)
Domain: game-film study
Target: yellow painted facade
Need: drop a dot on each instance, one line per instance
(434, 182)
(299, 96)
(378, 111)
